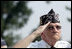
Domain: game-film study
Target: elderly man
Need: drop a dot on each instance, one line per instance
(50, 32)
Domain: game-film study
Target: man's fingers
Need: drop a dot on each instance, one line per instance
(44, 26)
(47, 24)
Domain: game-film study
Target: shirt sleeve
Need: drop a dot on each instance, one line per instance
(33, 45)
(62, 44)
(38, 44)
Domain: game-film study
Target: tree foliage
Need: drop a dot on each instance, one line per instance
(14, 14)
(69, 9)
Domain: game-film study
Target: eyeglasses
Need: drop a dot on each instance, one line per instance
(52, 27)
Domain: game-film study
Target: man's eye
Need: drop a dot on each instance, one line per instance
(58, 27)
(50, 28)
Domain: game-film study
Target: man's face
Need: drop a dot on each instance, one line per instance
(53, 31)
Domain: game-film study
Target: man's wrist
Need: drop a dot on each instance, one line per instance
(36, 33)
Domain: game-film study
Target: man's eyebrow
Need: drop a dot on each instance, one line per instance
(53, 25)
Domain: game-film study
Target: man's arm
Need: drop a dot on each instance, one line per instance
(25, 42)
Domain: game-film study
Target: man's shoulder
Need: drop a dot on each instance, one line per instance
(62, 44)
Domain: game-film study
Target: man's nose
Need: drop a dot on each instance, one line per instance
(55, 29)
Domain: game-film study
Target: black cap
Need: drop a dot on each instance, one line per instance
(51, 16)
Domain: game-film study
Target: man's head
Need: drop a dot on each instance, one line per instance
(53, 30)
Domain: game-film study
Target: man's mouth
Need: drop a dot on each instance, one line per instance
(55, 33)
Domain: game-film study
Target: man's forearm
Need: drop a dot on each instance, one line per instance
(25, 42)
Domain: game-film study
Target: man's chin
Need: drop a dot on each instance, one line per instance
(57, 37)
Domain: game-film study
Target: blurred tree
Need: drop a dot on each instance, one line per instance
(14, 14)
(69, 19)
(69, 9)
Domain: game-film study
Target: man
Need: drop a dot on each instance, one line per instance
(49, 30)
(3, 44)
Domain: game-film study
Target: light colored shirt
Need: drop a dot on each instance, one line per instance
(43, 44)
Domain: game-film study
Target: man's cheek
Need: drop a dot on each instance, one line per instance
(48, 34)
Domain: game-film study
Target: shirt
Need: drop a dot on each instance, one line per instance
(43, 44)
